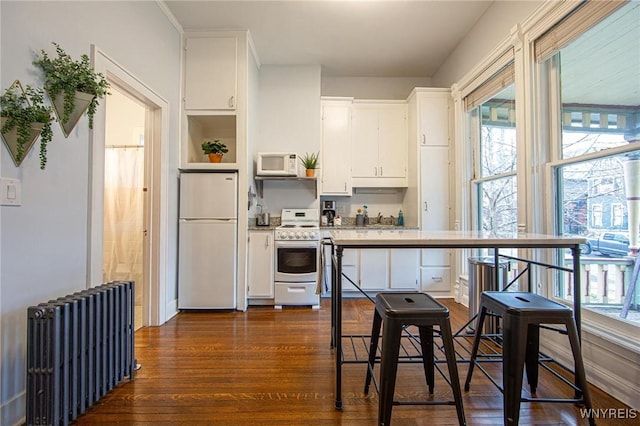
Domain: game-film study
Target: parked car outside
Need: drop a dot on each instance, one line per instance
(608, 244)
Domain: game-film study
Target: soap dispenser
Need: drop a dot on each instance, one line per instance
(400, 218)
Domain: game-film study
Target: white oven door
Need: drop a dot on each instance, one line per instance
(296, 261)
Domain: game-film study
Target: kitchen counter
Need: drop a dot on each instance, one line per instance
(374, 227)
(262, 228)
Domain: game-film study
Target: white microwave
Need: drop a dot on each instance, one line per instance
(277, 164)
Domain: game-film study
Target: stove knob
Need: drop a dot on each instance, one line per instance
(305, 234)
(298, 234)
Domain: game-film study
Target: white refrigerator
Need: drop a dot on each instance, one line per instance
(207, 240)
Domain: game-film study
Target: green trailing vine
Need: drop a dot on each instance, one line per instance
(64, 75)
(21, 109)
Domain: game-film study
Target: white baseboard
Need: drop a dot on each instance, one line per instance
(614, 370)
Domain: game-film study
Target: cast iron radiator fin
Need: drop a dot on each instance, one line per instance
(79, 347)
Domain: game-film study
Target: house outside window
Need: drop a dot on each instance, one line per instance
(596, 216)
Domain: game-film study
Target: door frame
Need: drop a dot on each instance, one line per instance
(156, 142)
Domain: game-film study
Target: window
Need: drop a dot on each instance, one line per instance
(495, 184)
(597, 163)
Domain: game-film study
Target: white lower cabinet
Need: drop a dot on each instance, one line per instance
(404, 269)
(261, 264)
(374, 269)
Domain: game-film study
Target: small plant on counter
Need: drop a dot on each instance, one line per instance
(22, 110)
(214, 149)
(64, 76)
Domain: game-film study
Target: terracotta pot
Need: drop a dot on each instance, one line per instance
(215, 158)
(311, 172)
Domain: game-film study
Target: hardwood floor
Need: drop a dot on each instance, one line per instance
(269, 367)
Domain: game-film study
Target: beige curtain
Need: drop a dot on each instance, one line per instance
(123, 214)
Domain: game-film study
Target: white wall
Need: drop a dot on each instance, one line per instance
(372, 87)
(493, 27)
(289, 120)
(44, 241)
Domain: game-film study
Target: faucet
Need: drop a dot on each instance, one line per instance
(379, 218)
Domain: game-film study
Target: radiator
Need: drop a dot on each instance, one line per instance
(79, 347)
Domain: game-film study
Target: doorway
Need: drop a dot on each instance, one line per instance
(158, 302)
(125, 183)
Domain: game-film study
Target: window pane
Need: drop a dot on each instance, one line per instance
(498, 134)
(499, 213)
(595, 204)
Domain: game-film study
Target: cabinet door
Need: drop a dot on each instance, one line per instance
(210, 73)
(374, 269)
(364, 147)
(336, 148)
(434, 194)
(392, 141)
(404, 266)
(261, 264)
(434, 119)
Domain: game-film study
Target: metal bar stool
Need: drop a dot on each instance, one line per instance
(522, 313)
(394, 312)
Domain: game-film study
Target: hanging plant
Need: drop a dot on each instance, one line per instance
(64, 76)
(24, 112)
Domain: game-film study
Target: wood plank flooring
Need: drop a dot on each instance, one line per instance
(269, 367)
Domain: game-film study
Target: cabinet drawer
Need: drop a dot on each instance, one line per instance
(296, 294)
(435, 279)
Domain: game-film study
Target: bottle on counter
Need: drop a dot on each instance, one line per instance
(400, 218)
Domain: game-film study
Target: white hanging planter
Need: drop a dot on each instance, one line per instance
(82, 101)
(10, 140)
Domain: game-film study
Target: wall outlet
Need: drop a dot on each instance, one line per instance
(11, 192)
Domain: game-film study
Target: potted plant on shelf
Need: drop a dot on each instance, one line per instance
(310, 163)
(214, 149)
(24, 117)
(73, 86)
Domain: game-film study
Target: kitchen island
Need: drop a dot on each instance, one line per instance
(396, 239)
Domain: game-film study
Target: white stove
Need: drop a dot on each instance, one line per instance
(298, 225)
(297, 250)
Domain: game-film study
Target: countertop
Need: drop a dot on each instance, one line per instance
(375, 227)
(444, 239)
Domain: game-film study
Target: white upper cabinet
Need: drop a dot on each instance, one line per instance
(210, 73)
(335, 162)
(434, 119)
(379, 144)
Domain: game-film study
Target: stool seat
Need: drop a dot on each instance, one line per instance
(396, 311)
(409, 305)
(524, 304)
(522, 313)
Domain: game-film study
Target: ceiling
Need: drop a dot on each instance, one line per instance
(357, 38)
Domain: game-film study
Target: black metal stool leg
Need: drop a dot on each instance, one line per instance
(531, 358)
(476, 345)
(391, 335)
(426, 344)
(373, 348)
(581, 377)
(514, 352)
(449, 351)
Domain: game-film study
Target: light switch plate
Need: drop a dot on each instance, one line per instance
(10, 192)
